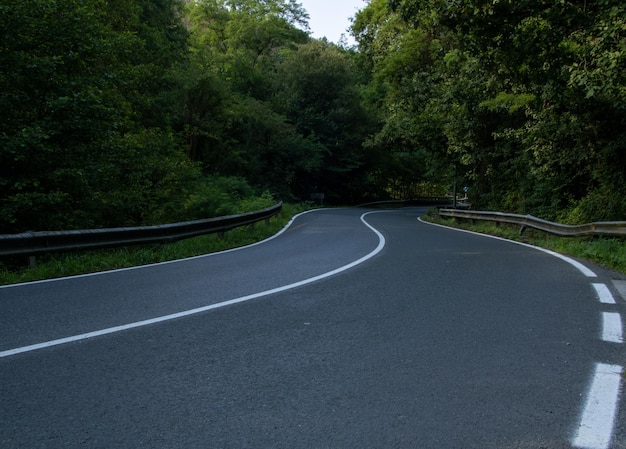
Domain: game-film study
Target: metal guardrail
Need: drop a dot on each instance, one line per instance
(605, 228)
(36, 243)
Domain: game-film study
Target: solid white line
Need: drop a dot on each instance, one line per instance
(173, 316)
(604, 294)
(612, 327)
(580, 267)
(167, 262)
(598, 417)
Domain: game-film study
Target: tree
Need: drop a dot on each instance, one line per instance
(318, 91)
(407, 87)
(525, 98)
(76, 125)
(276, 107)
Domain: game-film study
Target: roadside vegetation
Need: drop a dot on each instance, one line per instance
(605, 251)
(143, 112)
(69, 264)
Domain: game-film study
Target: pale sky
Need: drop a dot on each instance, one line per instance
(331, 18)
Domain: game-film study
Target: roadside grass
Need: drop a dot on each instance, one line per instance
(69, 264)
(605, 251)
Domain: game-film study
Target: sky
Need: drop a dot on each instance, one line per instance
(331, 18)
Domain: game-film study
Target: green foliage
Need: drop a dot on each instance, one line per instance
(81, 141)
(127, 112)
(317, 91)
(608, 252)
(268, 104)
(525, 100)
(509, 102)
(142, 179)
(221, 196)
(232, 127)
(598, 205)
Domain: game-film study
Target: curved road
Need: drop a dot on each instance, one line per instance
(350, 329)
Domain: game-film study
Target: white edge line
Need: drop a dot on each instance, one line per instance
(137, 267)
(612, 327)
(111, 330)
(598, 417)
(583, 269)
(604, 294)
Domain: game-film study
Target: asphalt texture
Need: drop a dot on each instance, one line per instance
(441, 340)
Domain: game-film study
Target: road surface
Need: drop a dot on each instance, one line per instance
(349, 329)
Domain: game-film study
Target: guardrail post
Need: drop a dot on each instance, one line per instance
(32, 261)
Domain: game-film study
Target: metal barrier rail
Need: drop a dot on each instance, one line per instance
(605, 228)
(36, 243)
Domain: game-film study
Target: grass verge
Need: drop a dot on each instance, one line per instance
(69, 264)
(605, 251)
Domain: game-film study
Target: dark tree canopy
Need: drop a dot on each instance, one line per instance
(524, 99)
(125, 112)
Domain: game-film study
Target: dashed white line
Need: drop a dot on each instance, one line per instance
(612, 327)
(604, 294)
(598, 417)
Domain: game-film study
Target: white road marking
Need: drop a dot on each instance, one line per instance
(604, 294)
(598, 417)
(579, 266)
(173, 316)
(612, 327)
(167, 262)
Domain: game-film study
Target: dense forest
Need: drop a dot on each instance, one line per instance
(133, 112)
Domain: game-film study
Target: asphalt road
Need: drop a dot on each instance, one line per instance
(344, 331)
